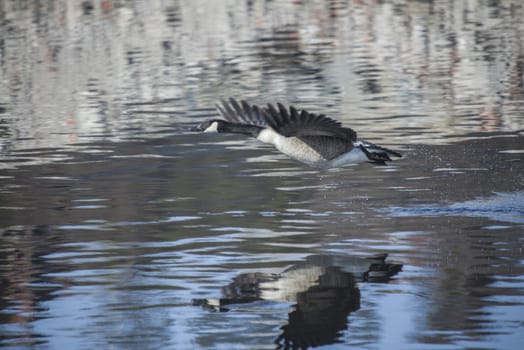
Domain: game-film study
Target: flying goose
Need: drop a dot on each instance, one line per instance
(313, 139)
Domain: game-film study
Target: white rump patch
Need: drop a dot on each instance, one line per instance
(355, 156)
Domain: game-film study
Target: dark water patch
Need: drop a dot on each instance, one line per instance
(505, 207)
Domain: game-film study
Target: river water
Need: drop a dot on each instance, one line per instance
(121, 229)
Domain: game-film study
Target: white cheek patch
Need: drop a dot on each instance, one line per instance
(212, 128)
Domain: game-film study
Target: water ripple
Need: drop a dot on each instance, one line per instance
(505, 207)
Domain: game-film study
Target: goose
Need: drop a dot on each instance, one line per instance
(312, 139)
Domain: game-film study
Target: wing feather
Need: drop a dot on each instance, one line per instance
(287, 122)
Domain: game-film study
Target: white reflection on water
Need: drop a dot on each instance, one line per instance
(104, 225)
(123, 70)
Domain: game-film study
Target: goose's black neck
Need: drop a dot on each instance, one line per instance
(227, 127)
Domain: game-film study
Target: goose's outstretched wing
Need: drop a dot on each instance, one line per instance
(303, 124)
(287, 123)
(242, 113)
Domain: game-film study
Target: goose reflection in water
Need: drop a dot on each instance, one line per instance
(324, 288)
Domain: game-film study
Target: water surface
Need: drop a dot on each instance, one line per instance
(119, 228)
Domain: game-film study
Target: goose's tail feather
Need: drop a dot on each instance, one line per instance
(377, 154)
